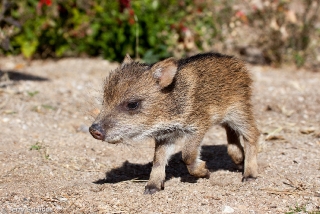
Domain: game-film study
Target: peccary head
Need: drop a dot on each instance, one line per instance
(135, 101)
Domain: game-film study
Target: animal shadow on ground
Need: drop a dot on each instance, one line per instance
(216, 158)
(17, 76)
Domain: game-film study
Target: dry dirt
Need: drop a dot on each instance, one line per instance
(50, 163)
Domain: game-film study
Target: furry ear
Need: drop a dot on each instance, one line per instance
(164, 71)
(127, 60)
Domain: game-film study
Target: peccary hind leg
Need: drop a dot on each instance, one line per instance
(235, 149)
(190, 156)
(248, 154)
(240, 122)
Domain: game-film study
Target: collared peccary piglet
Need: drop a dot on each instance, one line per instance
(180, 99)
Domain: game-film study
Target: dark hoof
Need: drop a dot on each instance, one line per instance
(149, 190)
(207, 175)
(240, 167)
(249, 178)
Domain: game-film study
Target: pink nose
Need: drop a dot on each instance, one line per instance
(97, 131)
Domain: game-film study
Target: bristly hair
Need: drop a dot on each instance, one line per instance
(201, 56)
(134, 65)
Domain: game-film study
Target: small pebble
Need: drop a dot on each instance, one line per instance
(307, 130)
(227, 209)
(63, 199)
(58, 207)
(301, 99)
(83, 128)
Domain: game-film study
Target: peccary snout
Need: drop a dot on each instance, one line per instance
(97, 131)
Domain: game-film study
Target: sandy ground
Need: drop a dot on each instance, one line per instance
(50, 163)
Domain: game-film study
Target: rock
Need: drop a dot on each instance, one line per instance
(317, 134)
(227, 209)
(63, 199)
(83, 128)
(307, 130)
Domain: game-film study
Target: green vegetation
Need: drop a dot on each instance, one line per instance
(32, 93)
(106, 28)
(154, 29)
(36, 146)
(48, 107)
(301, 209)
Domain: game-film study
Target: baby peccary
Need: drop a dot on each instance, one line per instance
(180, 99)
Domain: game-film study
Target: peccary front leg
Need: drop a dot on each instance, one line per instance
(163, 150)
(191, 157)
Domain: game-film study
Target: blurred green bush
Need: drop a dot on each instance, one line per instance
(107, 28)
(282, 30)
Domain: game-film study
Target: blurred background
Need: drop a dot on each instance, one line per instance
(273, 32)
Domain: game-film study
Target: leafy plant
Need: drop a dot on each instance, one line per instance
(280, 30)
(32, 93)
(301, 209)
(41, 149)
(9, 27)
(150, 29)
(48, 107)
(36, 146)
(154, 29)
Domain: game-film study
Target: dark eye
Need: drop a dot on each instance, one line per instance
(132, 105)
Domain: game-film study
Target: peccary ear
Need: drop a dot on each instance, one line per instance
(127, 60)
(164, 71)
